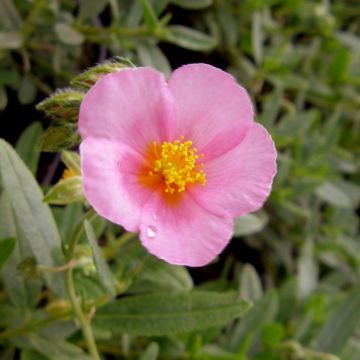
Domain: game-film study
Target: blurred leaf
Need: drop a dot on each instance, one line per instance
(169, 313)
(263, 313)
(307, 270)
(151, 55)
(72, 161)
(3, 98)
(25, 145)
(188, 38)
(30, 354)
(68, 35)
(151, 352)
(341, 326)
(66, 191)
(27, 91)
(57, 349)
(10, 40)
(333, 195)
(250, 284)
(104, 272)
(9, 15)
(192, 4)
(32, 216)
(6, 248)
(348, 39)
(257, 37)
(250, 224)
(149, 15)
(90, 9)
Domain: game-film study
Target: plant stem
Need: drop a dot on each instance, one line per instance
(74, 300)
(84, 322)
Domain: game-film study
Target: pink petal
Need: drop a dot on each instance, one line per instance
(132, 106)
(185, 233)
(212, 110)
(110, 181)
(239, 181)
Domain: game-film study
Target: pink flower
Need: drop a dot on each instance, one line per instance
(175, 160)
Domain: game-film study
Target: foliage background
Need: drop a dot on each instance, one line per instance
(298, 259)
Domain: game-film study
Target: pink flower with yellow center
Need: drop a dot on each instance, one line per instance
(176, 160)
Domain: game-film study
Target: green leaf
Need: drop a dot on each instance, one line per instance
(341, 326)
(170, 313)
(192, 4)
(66, 191)
(10, 40)
(149, 15)
(30, 354)
(6, 248)
(68, 35)
(348, 39)
(188, 38)
(26, 91)
(250, 224)
(151, 352)
(58, 137)
(33, 217)
(333, 195)
(104, 272)
(3, 98)
(26, 143)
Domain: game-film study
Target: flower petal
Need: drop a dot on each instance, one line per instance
(132, 106)
(183, 234)
(110, 181)
(240, 181)
(212, 110)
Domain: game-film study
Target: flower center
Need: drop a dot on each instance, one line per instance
(177, 163)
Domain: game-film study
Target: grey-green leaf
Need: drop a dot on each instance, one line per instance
(25, 146)
(68, 35)
(170, 313)
(341, 326)
(102, 267)
(32, 215)
(189, 38)
(151, 352)
(10, 40)
(250, 224)
(192, 4)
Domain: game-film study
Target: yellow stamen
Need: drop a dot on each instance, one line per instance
(177, 162)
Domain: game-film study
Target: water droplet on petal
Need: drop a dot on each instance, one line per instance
(151, 231)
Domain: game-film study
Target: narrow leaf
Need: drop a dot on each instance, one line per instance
(170, 313)
(32, 216)
(341, 326)
(105, 275)
(189, 39)
(250, 224)
(192, 4)
(25, 146)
